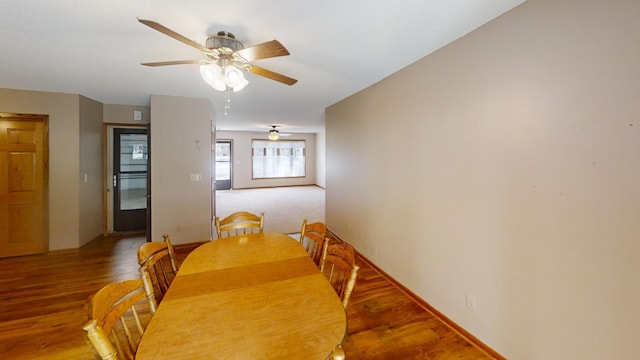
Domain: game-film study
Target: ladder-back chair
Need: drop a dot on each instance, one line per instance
(118, 316)
(312, 238)
(157, 268)
(339, 266)
(240, 223)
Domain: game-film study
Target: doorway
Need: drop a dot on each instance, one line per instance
(130, 179)
(23, 184)
(222, 166)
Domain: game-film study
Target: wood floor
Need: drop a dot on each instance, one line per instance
(43, 305)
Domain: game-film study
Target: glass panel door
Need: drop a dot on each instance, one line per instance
(130, 179)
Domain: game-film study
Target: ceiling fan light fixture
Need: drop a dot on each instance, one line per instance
(243, 82)
(212, 75)
(234, 78)
(274, 134)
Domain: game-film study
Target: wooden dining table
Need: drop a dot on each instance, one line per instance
(257, 296)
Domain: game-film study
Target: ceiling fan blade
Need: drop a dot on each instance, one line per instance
(176, 62)
(271, 75)
(265, 50)
(165, 30)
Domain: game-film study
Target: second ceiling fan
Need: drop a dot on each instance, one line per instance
(226, 57)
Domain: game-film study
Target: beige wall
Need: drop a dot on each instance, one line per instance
(91, 179)
(64, 147)
(181, 133)
(506, 166)
(123, 114)
(76, 202)
(242, 160)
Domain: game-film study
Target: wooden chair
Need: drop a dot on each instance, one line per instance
(339, 266)
(157, 268)
(312, 238)
(240, 223)
(118, 316)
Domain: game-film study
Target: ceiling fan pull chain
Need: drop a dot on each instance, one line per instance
(227, 101)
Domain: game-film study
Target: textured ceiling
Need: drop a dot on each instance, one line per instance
(94, 48)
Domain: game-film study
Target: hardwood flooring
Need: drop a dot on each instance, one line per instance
(43, 305)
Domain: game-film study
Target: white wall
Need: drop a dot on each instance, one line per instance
(181, 131)
(242, 160)
(506, 166)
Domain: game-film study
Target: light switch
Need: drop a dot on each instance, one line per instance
(137, 115)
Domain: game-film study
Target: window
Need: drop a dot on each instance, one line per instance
(278, 159)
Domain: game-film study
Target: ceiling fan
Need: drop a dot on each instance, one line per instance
(226, 57)
(275, 134)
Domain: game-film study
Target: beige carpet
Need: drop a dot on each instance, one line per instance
(284, 207)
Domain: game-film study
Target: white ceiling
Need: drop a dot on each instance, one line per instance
(94, 48)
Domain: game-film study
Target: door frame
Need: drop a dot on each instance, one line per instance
(107, 157)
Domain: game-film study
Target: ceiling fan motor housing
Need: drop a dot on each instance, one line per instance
(225, 42)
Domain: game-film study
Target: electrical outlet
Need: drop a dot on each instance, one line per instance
(470, 302)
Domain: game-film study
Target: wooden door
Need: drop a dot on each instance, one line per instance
(23, 184)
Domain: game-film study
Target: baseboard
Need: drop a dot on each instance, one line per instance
(63, 251)
(270, 187)
(450, 323)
